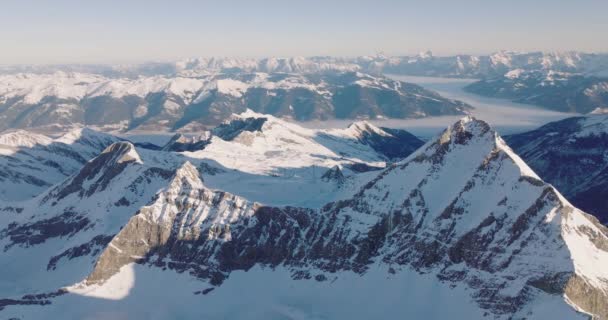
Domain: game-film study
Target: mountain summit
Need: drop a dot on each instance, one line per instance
(463, 222)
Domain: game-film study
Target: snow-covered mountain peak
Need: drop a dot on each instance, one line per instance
(593, 125)
(465, 129)
(425, 54)
(186, 176)
(86, 136)
(248, 113)
(333, 175)
(121, 152)
(110, 182)
(477, 144)
(488, 197)
(245, 122)
(359, 128)
(515, 73)
(22, 138)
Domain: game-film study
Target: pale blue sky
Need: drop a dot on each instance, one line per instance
(70, 31)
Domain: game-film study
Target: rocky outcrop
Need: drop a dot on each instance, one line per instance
(65, 225)
(181, 143)
(230, 130)
(333, 175)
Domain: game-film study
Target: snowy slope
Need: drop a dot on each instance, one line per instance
(571, 154)
(462, 223)
(287, 159)
(273, 161)
(30, 162)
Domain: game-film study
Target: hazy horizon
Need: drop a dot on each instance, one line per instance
(73, 32)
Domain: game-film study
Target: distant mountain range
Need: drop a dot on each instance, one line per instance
(130, 96)
(285, 218)
(197, 103)
(558, 91)
(423, 64)
(489, 66)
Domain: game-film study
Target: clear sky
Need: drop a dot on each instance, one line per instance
(110, 31)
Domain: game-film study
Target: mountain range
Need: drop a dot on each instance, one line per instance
(558, 91)
(302, 88)
(422, 64)
(261, 218)
(197, 103)
(490, 66)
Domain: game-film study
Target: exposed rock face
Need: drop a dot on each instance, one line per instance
(64, 230)
(494, 228)
(572, 155)
(98, 173)
(334, 175)
(181, 143)
(230, 130)
(194, 213)
(29, 234)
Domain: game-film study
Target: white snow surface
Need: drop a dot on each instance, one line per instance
(593, 125)
(32, 88)
(33, 162)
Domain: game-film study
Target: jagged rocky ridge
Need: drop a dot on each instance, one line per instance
(75, 218)
(463, 209)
